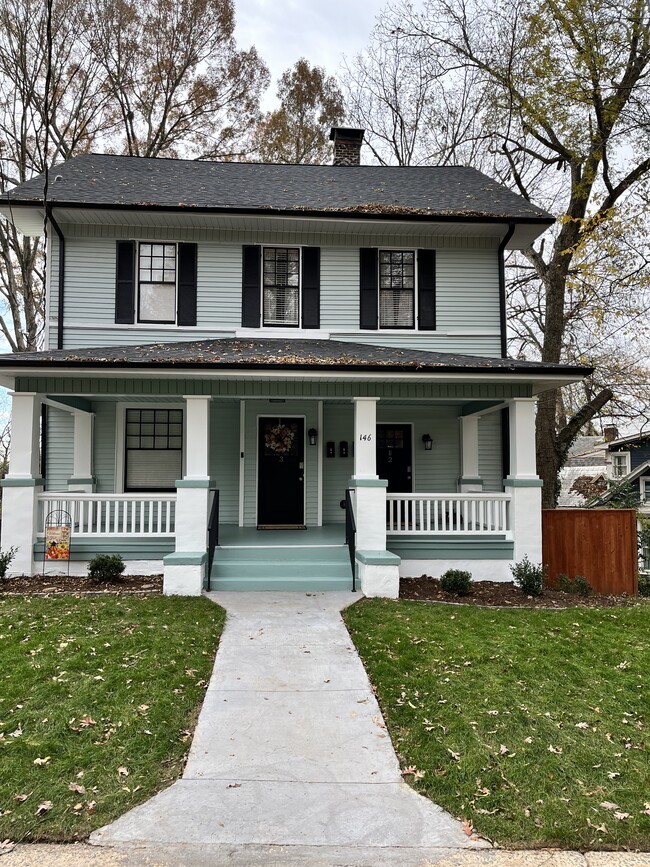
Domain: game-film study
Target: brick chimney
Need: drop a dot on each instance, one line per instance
(347, 145)
(610, 432)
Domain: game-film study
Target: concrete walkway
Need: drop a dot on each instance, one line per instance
(290, 748)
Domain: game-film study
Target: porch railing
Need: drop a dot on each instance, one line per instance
(451, 514)
(351, 536)
(112, 514)
(213, 533)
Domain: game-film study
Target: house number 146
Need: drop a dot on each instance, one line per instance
(365, 437)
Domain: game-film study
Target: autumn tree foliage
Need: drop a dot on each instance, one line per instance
(139, 77)
(298, 131)
(563, 117)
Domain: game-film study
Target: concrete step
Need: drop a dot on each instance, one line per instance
(281, 568)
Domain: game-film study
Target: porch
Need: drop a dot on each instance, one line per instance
(465, 502)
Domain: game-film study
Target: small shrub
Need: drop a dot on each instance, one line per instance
(581, 586)
(456, 581)
(106, 568)
(578, 585)
(644, 585)
(5, 560)
(528, 577)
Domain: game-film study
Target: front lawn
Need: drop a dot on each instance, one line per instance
(98, 698)
(533, 725)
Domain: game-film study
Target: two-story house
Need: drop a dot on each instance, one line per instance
(319, 344)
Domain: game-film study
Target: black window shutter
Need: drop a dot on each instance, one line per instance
(311, 287)
(426, 290)
(125, 283)
(186, 314)
(368, 287)
(251, 286)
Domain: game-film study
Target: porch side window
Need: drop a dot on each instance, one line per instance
(620, 464)
(281, 286)
(396, 289)
(154, 449)
(157, 283)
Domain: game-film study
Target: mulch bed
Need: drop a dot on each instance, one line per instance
(51, 584)
(504, 594)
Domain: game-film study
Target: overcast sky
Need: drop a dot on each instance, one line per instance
(320, 30)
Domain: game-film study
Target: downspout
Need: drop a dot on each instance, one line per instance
(505, 413)
(502, 289)
(61, 298)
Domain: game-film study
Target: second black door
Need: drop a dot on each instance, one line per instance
(395, 456)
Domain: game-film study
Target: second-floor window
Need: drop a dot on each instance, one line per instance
(281, 286)
(620, 464)
(157, 283)
(396, 289)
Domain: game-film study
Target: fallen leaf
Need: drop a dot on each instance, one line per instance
(613, 774)
(75, 787)
(6, 846)
(503, 750)
(21, 798)
(87, 721)
(608, 805)
(123, 772)
(233, 786)
(78, 807)
(45, 807)
(455, 756)
(467, 827)
(582, 725)
(90, 806)
(553, 749)
(39, 761)
(621, 816)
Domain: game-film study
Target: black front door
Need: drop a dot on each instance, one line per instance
(281, 472)
(394, 457)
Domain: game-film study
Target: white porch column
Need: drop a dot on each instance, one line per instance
(184, 570)
(82, 471)
(470, 479)
(22, 483)
(378, 568)
(523, 483)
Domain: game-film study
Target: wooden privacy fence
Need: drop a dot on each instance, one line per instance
(600, 544)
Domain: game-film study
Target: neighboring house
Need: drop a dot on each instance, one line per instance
(284, 334)
(586, 473)
(629, 459)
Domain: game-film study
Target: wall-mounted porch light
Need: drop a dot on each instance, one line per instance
(312, 433)
(428, 442)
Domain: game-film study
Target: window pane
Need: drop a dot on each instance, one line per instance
(176, 415)
(157, 470)
(146, 415)
(396, 309)
(157, 302)
(280, 306)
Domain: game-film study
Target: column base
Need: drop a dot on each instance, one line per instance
(184, 573)
(378, 573)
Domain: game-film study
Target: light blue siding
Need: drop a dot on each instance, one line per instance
(490, 451)
(60, 441)
(104, 445)
(224, 457)
(338, 425)
(466, 286)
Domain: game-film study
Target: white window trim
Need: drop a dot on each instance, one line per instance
(120, 437)
(155, 322)
(626, 455)
(275, 327)
(644, 488)
(391, 329)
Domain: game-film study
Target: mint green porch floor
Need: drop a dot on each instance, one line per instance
(245, 537)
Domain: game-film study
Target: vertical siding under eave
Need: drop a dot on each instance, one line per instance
(224, 457)
(104, 445)
(338, 425)
(60, 442)
(490, 451)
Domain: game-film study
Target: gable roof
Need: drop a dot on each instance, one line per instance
(389, 192)
(238, 353)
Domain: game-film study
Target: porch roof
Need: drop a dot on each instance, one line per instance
(281, 358)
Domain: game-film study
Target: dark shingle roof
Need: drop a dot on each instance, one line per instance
(105, 180)
(282, 354)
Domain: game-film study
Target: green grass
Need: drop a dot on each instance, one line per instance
(100, 694)
(523, 722)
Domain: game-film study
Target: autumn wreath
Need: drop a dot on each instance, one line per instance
(279, 439)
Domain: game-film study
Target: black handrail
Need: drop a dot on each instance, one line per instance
(350, 536)
(213, 532)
